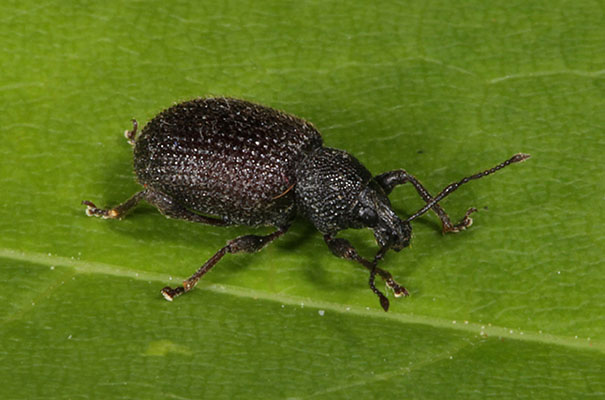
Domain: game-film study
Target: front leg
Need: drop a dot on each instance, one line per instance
(342, 248)
(390, 179)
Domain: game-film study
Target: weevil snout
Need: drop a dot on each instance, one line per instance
(392, 232)
(374, 211)
(389, 230)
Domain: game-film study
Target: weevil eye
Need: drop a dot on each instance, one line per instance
(368, 217)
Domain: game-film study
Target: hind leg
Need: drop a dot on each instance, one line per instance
(164, 203)
(114, 212)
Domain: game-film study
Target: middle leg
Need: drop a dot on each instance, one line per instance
(242, 244)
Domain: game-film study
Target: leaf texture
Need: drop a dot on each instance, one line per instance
(511, 308)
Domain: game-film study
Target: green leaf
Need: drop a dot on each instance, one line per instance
(511, 308)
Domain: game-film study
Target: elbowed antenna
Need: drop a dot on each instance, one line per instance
(519, 157)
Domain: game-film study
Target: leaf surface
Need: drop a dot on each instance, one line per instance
(512, 307)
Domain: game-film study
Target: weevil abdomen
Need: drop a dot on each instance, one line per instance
(226, 157)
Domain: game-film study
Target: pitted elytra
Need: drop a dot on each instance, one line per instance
(222, 161)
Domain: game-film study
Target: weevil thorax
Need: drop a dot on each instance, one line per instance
(336, 192)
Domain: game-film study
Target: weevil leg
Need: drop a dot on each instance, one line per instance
(131, 134)
(242, 244)
(165, 204)
(390, 179)
(117, 211)
(342, 248)
(172, 209)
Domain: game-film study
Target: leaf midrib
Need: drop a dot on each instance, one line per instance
(91, 267)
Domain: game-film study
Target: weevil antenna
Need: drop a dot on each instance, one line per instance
(452, 187)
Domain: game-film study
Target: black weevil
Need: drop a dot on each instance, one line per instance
(223, 161)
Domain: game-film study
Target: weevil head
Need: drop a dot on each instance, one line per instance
(374, 211)
(336, 192)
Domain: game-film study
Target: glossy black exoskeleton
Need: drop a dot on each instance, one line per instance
(223, 161)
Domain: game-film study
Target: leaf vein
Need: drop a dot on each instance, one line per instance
(86, 267)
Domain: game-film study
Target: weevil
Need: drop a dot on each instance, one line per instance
(224, 161)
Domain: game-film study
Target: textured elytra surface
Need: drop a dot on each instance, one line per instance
(226, 157)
